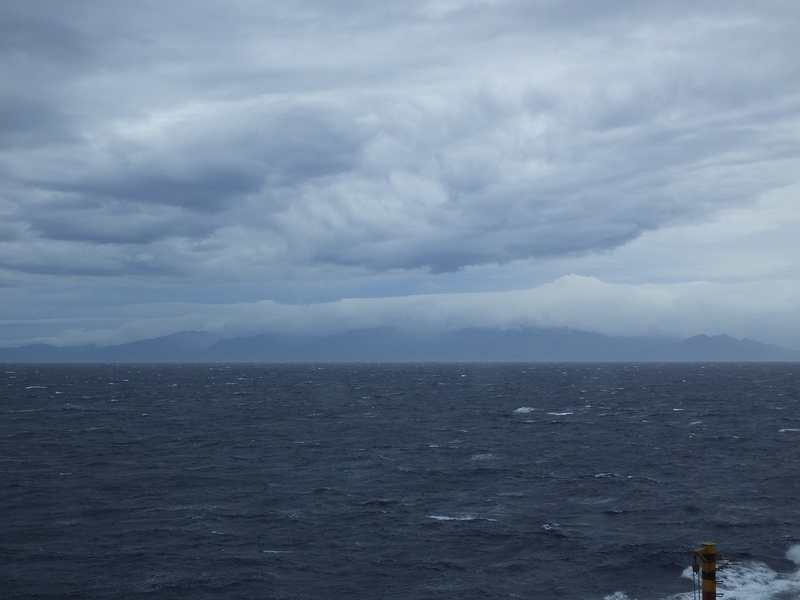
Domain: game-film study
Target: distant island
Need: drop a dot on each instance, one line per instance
(392, 345)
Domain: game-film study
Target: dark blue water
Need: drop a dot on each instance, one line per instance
(396, 481)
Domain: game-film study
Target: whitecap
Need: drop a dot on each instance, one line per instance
(595, 500)
(754, 581)
(484, 456)
(793, 554)
(524, 409)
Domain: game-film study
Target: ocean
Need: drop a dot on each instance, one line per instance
(397, 481)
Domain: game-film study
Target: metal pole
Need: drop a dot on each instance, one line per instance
(708, 556)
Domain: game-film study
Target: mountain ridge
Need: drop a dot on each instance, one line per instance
(384, 344)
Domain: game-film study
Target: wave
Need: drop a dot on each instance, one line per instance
(747, 581)
(459, 518)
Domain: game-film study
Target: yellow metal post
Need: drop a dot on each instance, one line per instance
(708, 557)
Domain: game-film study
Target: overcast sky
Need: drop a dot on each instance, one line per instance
(244, 166)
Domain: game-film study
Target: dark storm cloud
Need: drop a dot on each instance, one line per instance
(30, 122)
(431, 135)
(207, 164)
(105, 222)
(208, 189)
(30, 31)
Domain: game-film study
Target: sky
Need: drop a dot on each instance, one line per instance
(254, 166)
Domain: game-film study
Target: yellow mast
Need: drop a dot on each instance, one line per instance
(707, 554)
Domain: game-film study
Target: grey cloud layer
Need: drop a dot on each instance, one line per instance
(186, 137)
(582, 303)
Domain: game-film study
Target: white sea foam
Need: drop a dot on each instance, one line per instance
(525, 409)
(559, 414)
(483, 456)
(793, 554)
(754, 581)
(464, 517)
(595, 500)
(747, 581)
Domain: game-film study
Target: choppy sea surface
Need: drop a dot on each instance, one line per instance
(436, 481)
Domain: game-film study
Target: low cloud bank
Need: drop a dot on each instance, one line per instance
(763, 311)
